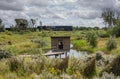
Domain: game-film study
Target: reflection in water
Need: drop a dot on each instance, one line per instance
(77, 53)
(73, 53)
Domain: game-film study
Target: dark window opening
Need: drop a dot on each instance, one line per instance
(60, 45)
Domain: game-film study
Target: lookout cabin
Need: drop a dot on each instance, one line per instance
(59, 45)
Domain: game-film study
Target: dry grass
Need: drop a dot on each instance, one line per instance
(45, 68)
(101, 43)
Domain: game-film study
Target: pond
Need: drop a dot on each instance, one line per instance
(72, 53)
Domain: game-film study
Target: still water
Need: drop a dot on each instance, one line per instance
(72, 53)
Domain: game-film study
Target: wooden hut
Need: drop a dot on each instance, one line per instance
(59, 45)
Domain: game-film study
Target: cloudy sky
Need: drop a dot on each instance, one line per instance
(57, 12)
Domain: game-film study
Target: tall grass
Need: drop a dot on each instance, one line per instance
(111, 43)
(81, 45)
(30, 68)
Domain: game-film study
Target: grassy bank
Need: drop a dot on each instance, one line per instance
(34, 42)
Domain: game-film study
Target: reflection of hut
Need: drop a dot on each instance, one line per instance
(59, 45)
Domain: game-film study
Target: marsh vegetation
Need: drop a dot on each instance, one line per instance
(22, 55)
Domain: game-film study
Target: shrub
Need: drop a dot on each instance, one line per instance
(24, 31)
(9, 43)
(35, 65)
(8, 33)
(63, 65)
(15, 64)
(103, 34)
(92, 39)
(4, 68)
(116, 29)
(89, 68)
(5, 54)
(41, 42)
(111, 44)
(90, 49)
(114, 66)
(74, 65)
(98, 56)
(108, 76)
(80, 44)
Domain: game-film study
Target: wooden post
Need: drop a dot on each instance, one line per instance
(55, 56)
(60, 55)
(66, 54)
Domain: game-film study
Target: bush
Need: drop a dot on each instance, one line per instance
(36, 65)
(24, 32)
(63, 65)
(8, 33)
(114, 67)
(41, 42)
(79, 44)
(98, 56)
(111, 44)
(74, 65)
(103, 34)
(116, 29)
(15, 64)
(4, 54)
(89, 68)
(92, 39)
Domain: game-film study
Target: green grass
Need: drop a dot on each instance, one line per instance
(81, 45)
(34, 42)
(21, 43)
(27, 42)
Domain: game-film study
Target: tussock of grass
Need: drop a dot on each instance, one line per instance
(25, 47)
(114, 66)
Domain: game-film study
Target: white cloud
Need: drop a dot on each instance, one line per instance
(15, 5)
(57, 12)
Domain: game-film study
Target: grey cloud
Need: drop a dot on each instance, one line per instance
(58, 12)
(15, 5)
(97, 4)
(38, 3)
(9, 16)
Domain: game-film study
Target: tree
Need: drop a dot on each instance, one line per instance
(110, 16)
(12, 28)
(0, 21)
(2, 27)
(21, 24)
(33, 22)
(40, 23)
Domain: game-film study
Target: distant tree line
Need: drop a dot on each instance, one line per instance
(21, 24)
(86, 28)
(56, 28)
